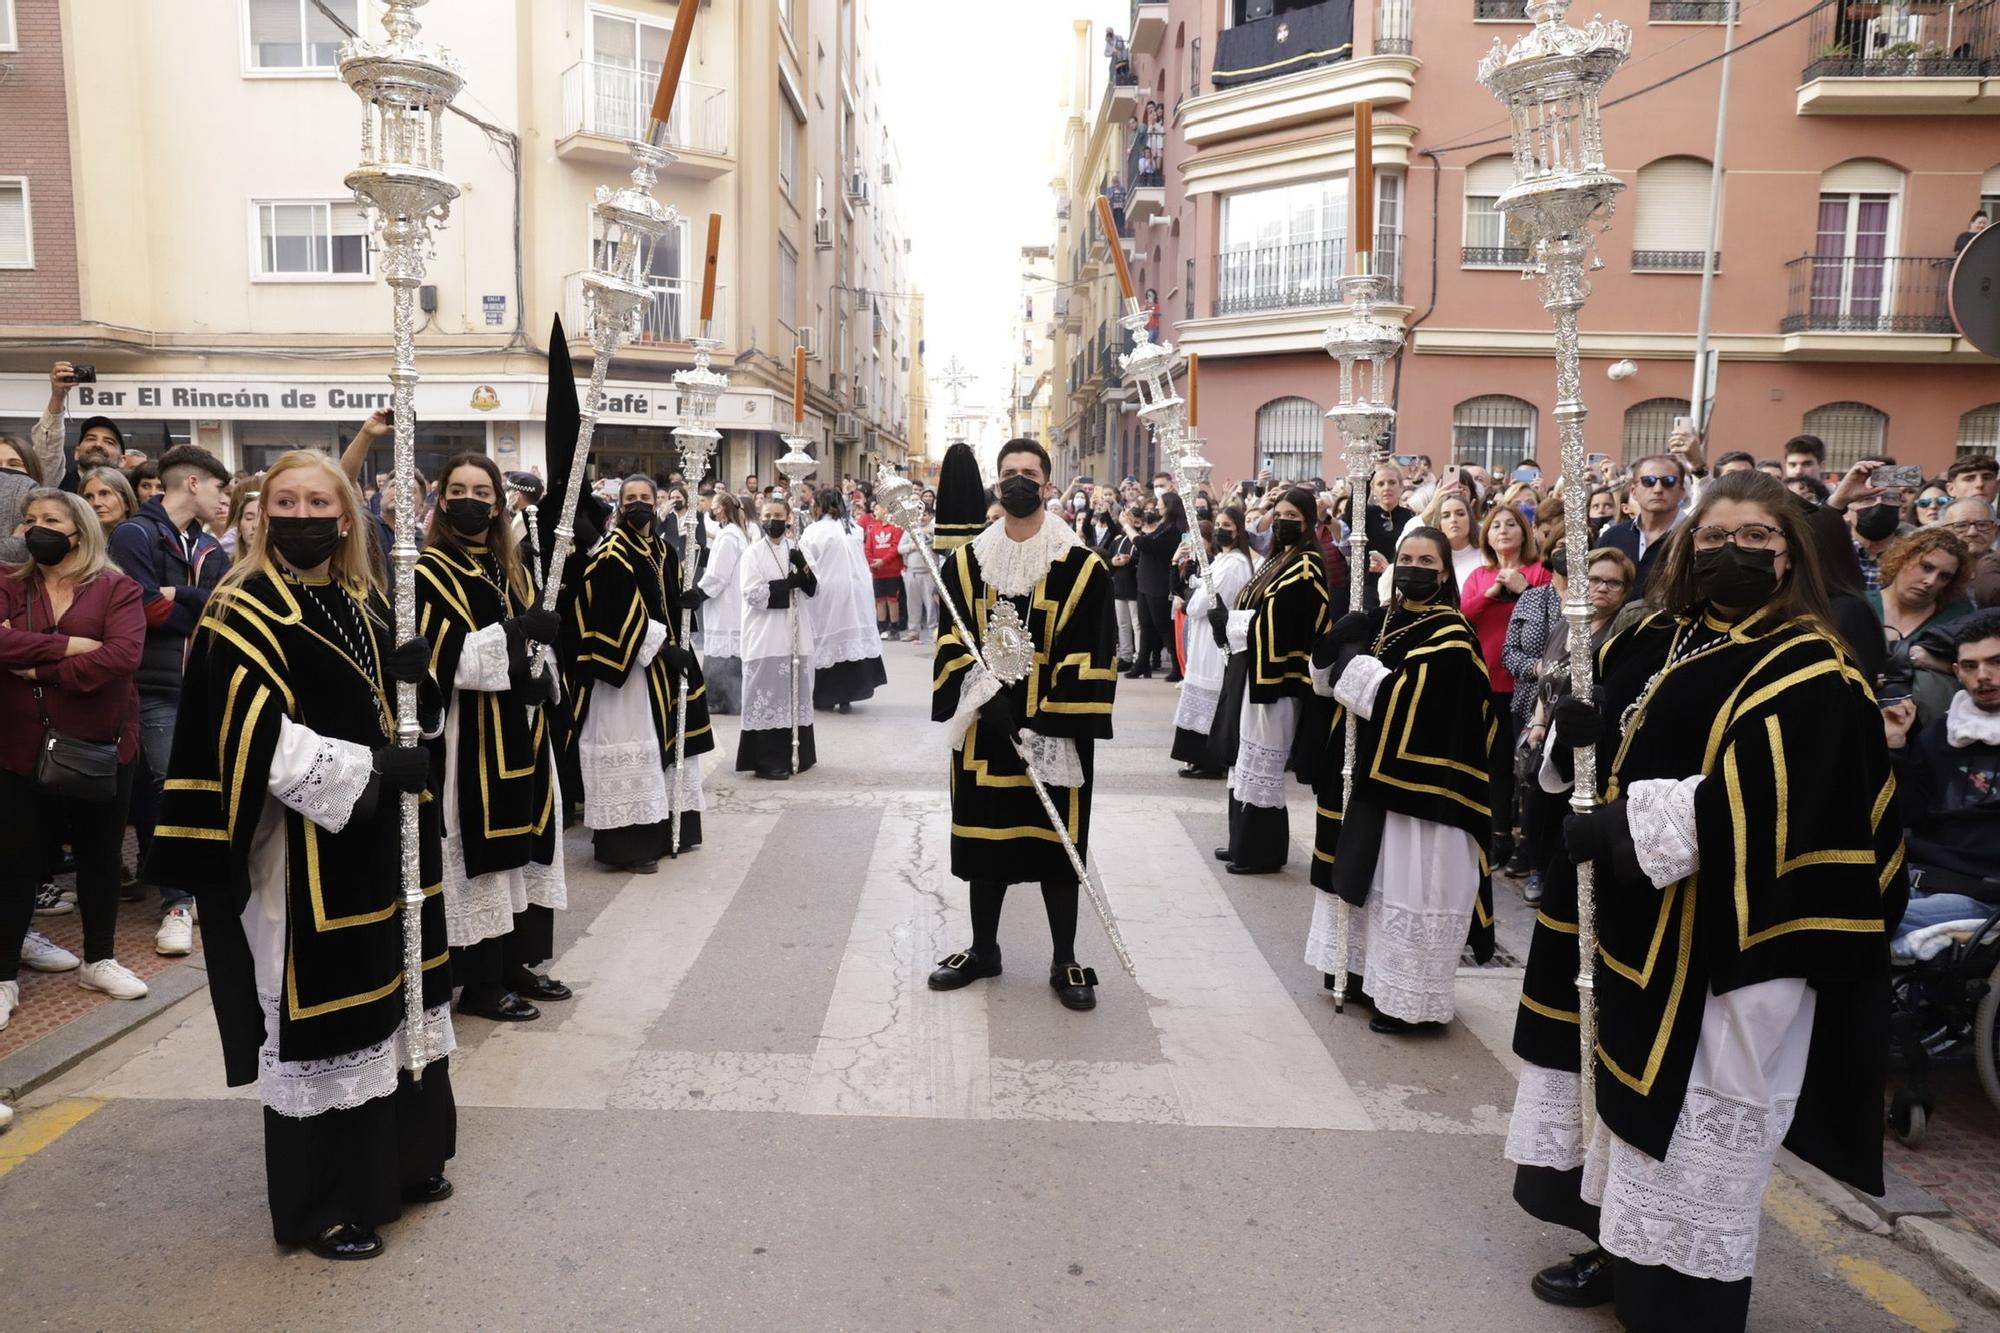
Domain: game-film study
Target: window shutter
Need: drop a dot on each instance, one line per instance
(1979, 430)
(1648, 424)
(1852, 431)
(1489, 177)
(13, 225)
(1673, 205)
(1862, 176)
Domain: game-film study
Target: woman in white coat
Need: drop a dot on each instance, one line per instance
(721, 604)
(847, 648)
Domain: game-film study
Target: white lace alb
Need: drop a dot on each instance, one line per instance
(1013, 568)
(301, 1088)
(1546, 1128)
(319, 777)
(1660, 814)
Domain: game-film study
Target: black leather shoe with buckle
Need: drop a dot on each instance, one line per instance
(346, 1240)
(532, 985)
(964, 968)
(1581, 1281)
(434, 1190)
(1075, 986)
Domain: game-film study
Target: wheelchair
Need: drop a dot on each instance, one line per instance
(1943, 1010)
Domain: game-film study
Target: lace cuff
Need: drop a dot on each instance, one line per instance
(757, 596)
(979, 686)
(1360, 683)
(318, 777)
(482, 662)
(649, 647)
(1550, 776)
(1322, 678)
(1660, 812)
(1055, 759)
(1239, 630)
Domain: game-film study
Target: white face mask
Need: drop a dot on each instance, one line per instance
(1159, 492)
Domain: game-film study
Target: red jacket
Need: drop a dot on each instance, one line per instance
(882, 539)
(93, 696)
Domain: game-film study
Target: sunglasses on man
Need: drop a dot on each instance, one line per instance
(1667, 482)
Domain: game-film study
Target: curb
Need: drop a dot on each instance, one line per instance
(1913, 1219)
(66, 1047)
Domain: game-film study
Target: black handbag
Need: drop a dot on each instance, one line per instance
(65, 766)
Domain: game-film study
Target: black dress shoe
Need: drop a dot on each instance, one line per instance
(1390, 1026)
(774, 774)
(642, 868)
(843, 707)
(1578, 1282)
(1222, 854)
(1197, 771)
(534, 986)
(1174, 678)
(435, 1190)
(500, 1006)
(346, 1240)
(963, 968)
(1075, 986)
(1235, 869)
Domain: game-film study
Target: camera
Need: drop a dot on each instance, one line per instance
(1906, 477)
(83, 374)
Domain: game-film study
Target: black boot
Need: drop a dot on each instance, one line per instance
(1580, 1281)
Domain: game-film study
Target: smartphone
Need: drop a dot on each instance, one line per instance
(1597, 460)
(1683, 424)
(1906, 477)
(1525, 473)
(83, 374)
(1405, 460)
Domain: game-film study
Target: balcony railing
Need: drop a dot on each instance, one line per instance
(1935, 39)
(666, 320)
(1690, 11)
(1493, 256)
(617, 100)
(1512, 10)
(1392, 27)
(1672, 261)
(1855, 294)
(1303, 37)
(1144, 168)
(1300, 276)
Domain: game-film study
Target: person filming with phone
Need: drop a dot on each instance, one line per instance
(100, 443)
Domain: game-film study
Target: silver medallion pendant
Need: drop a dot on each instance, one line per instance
(1010, 650)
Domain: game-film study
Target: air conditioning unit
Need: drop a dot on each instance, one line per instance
(846, 426)
(860, 394)
(823, 234)
(809, 339)
(857, 188)
(1062, 209)
(863, 300)
(888, 174)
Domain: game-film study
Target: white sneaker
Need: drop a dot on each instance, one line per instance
(45, 955)
(111, 976)
(10, 1000)
(176, 937)
(6, 1115)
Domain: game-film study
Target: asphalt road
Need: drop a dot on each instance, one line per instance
(755, 1116)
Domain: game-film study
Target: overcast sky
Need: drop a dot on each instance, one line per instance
(974, 99)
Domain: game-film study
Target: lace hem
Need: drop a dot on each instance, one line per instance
(547, 885)
(300, 1088)
(1660, 812)
(623, 784)
(1196, 710)
(720, 643)
(1055, 759)
(482, 662)
(1013, 568)
(335, 776)
(1258, 777)
(854, 646)
(1408, 959)
(1698, 1211)
(478, 908)
(1358, 685)
(767, 694)
(1546, 1128)
(1322, 954)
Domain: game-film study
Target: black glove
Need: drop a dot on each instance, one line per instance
(408, 662)
(1603, 834)
(805, 581)
(1576, 724)
(798, 559)
(536, 626)
(694, 597)
(998, 713)
(679, 660)
(781, 594)
(1218, 625)
(1348, 632)
(403, 768)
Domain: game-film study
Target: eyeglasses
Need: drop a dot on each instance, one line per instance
(1934, 502)
(1606, 585)
(1664, 483)
(1749, 537)
(1975, 525)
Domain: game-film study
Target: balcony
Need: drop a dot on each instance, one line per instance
(1671, 261)
(667, 322)
(1304, 275)
(1849, 295)
(1690, 11)
(1922, 58)
(1149, 26)
(1146, 179)
(605, 107)
(1500, 11)
(1310, 87)
(1297, 37)
(1493, 256)
(1392, 27)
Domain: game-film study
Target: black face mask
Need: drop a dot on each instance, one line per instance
(46, 546)
(1225, 537)
(468, 517)
(637, 516)
(774, 528)
(303, 543)
(1286, 532)
(1020, 496)
(1877, 521)
(1414, 583)
(1735, 578)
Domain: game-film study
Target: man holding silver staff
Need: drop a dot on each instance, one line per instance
(777, 664)
(1030, 591)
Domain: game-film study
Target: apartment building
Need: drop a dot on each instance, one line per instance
(1034, 347)
(225, 288)
(1859, 143)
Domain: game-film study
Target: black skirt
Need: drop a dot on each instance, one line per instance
(1191, 747)
(636, 844)
(846, 683)
(354, 1165)
(1259, 838)
(1556, 1197)
(770, 749)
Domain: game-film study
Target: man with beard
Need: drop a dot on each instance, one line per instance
(100, 444)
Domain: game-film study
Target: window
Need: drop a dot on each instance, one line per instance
(788, 149)
(1854, 239)
(1285, 214)
(1648, 424)
(625, 59)
(1989, 193)
(785, 15)
(1493, 431)
(10, 39)
(1671, 230)
(788, 284)
(1291, 438)
(1979, 431)
(1282, 247)
(1852, 431)
(17, 232)
(311, 239)
(1491, 240)
(291, 36)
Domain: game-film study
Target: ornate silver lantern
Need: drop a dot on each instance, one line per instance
(405, 85)
(1551, 81)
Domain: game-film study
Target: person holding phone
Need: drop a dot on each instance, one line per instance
(100, 443)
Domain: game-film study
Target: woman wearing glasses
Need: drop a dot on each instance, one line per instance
(1748, 868)
(1928, 508)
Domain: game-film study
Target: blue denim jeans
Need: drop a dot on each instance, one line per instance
(1934, 909)
(156, 746)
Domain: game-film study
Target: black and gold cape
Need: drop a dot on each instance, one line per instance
(506, 792)
(1291, 614)
(1424, 754)
(628, 581)
(257, 657)
(999, 830)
